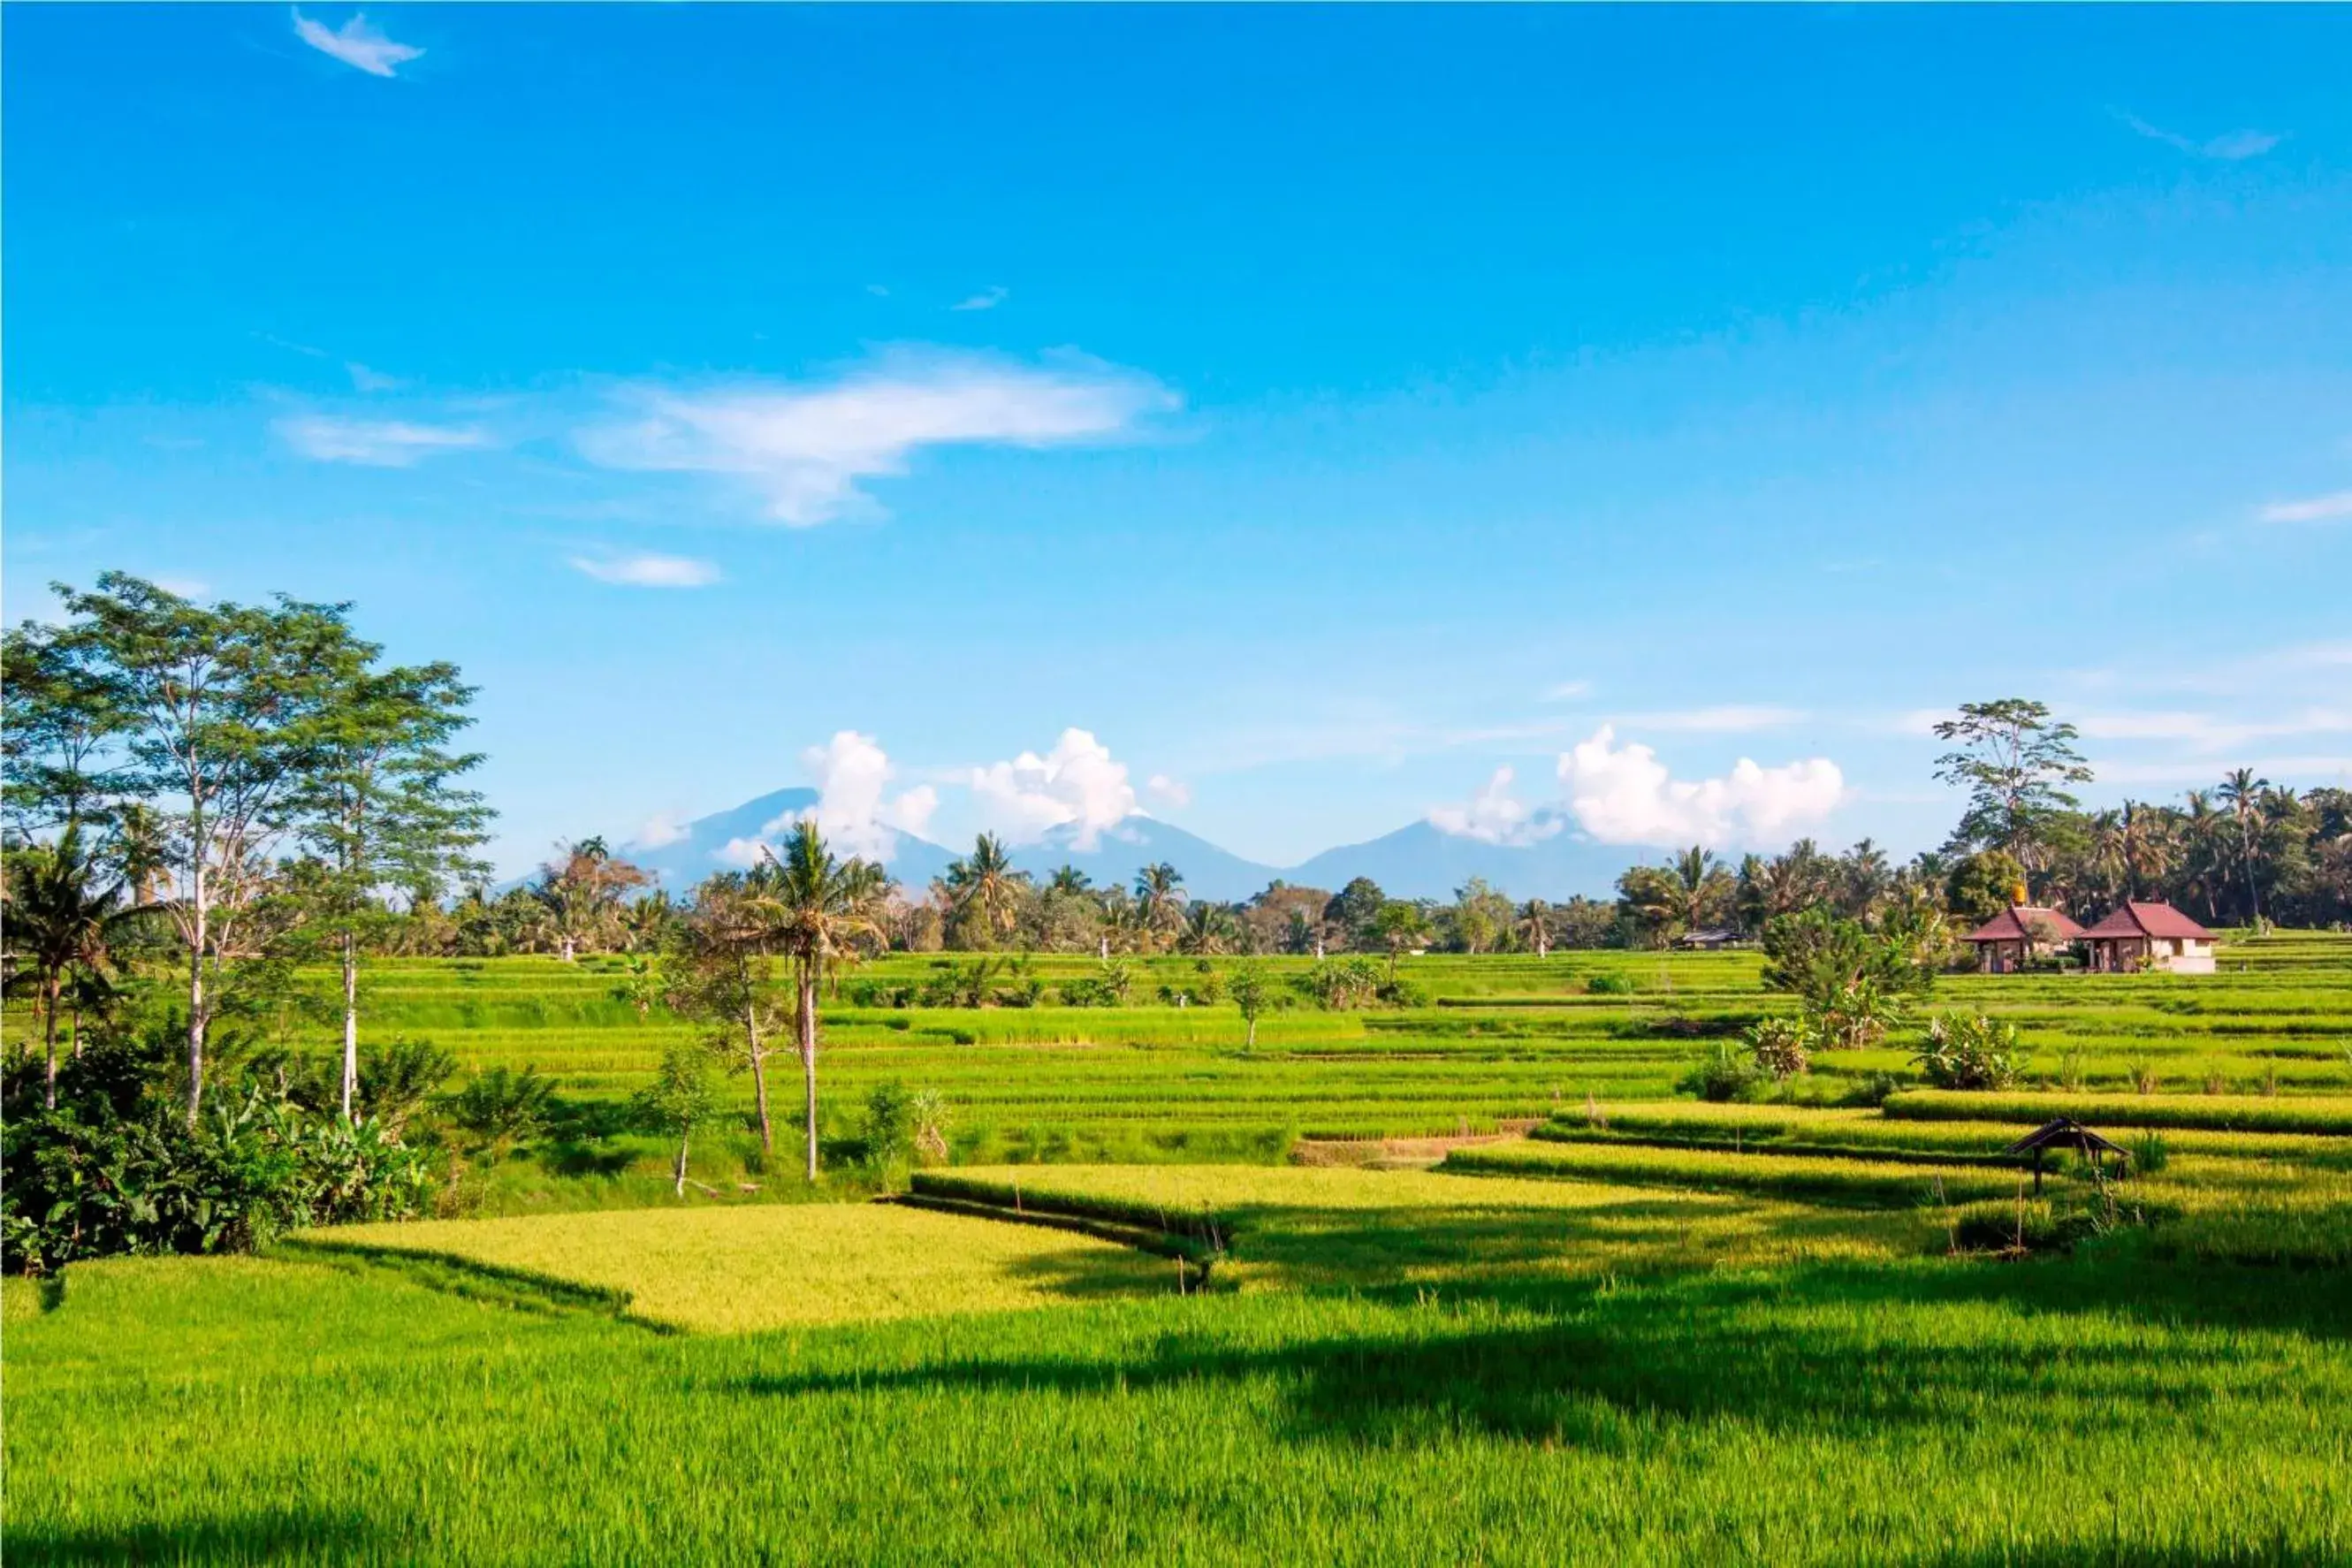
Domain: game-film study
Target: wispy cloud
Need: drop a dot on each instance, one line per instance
(648, 571)
(988, 299)
(2334, 508)
(1174, 794)
(375, 443)
(366, 380)
(356, 44)
(2207, 733)
(1567, 692)
(805, 448)
(2230, 147)
(1730, 720)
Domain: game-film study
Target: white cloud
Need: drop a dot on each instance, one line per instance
(1568, 691)
(853, 809)
(1625, 795)
(1493, 816)
(1174, 794)
(648, 571)
(366, 380)
(742, 853)
(375, 443)
(661, 828)
(2191, 772)
(805, 448)
(2335, 508)
(1075, 784)
(356, 44)
(1730, 719)
(988, 299)
(2230, 147)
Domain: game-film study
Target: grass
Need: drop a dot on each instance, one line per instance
(2330, 1116)
(1815, 1179)
(1890, 1410)
(733, 1269)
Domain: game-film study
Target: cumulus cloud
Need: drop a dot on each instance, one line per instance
(660, 829)
(1493, 816)
(648, 571)
(2230, 147)
(356, 44)
(375, 443)
(2335, 508)
(1172, 793)
(1076, 784)
(854, 809)
(805, 448)
(1624, 795)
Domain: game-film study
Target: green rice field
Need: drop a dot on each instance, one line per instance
(1144, 1314)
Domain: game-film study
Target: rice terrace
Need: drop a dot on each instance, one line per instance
(1327, 785)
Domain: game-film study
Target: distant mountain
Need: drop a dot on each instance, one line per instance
(1137, 841)
(700, 850)
(1414, 862)
(1418, 861)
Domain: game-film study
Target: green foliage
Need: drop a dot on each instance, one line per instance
(1781, 1048)
(499, 1108)
(1342, 985)
(1725, 1074)
(1971, 1051)
(887, 1131)
(1982, 885)
(1855, 983)
(1609, 982)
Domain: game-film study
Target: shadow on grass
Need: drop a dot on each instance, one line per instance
(261, 1536)
(1802, 1349)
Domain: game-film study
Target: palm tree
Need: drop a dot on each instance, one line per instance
(1070, 882)
(1210, 930)
(1697, 881)
(817, 912)
(984, 884)
(1533, 926)
(2110, 853)
(2242, 793)
(1158, 893)
(64, 913)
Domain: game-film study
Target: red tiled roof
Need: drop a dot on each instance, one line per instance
(2137, 920)
(2012, 925)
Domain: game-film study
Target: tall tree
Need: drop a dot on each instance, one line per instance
(983, 888)
(215, 714)
(816, 912)
(715, 970)
(1533, 927)
(2242, 791)
(582, 891)
(2014, 760)
(1160, 894)
(379, 804)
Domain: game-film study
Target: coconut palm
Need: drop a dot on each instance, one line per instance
(2242, 791)
(818, 913)
(1532, 926)
(1160, 894)
(64, 913)
(1209, 928)
(983, 886)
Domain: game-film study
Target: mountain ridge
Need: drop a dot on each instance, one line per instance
(1415, 861)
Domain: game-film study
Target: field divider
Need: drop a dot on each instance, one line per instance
(522, 1289)
(1886, 1154)
(1199, 1239)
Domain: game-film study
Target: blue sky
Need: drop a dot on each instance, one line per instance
(1319, 409)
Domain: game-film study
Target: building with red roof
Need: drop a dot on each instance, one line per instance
(2139, 936)
(2018, 935)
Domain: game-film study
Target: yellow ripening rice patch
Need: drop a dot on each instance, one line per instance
(736, 1269)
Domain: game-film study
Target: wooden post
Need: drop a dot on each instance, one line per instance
(2037, 1172)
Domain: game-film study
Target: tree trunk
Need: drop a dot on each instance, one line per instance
(50, 1034)
(759, 1076)
(350, 1022)
(1250, 1042)
(2252, 897)
(808, 1061)
(684, 1137)
(196, 1003)
(569, 946)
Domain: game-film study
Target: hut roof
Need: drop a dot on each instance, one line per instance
(2066, 1133)
(2026, 922)
(2138, 920)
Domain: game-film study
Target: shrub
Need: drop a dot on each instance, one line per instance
(1340, 984)
(1609, 983)
(1968, 1050)
(1780, 1046)
(1726, 1075)
(2149, 1154)
(888, 1127)
(500, 1107)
